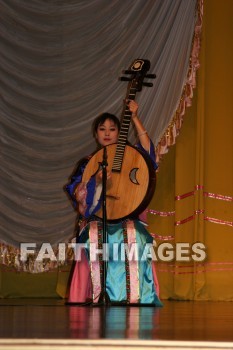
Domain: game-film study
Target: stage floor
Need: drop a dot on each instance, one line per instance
(24, 320)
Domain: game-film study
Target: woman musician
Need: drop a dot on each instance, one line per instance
(130, 278)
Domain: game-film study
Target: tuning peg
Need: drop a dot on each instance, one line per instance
(125, 79)
(151, 76)
(147, 84)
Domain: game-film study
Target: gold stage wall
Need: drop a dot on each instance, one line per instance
(194, 189)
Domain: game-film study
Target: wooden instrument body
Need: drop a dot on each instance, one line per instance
(130, 190)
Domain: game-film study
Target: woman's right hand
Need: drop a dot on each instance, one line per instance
(99, 176)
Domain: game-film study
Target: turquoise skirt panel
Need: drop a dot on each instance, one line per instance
(117, 275)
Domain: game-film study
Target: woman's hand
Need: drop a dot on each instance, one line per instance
(133, 107)
(99, 176)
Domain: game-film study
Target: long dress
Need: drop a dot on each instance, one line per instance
(131, 275)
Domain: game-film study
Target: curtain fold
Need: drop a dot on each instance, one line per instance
(60, 67)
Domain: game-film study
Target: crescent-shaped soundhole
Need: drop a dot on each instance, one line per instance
(132, 176)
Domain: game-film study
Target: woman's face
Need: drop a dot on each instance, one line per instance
(107, 133)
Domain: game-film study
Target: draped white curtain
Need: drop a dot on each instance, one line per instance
(60, 64)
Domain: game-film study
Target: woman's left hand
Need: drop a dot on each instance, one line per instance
(133, 107)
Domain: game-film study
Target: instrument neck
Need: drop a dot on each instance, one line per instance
(124, 131)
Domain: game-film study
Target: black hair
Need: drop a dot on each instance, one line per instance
(101, 119)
